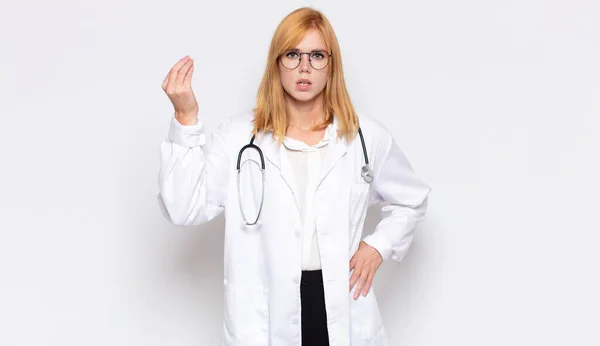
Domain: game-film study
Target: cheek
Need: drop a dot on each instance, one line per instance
(286, 78)
(321, 80)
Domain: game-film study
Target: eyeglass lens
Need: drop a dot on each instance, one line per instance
(318, 59)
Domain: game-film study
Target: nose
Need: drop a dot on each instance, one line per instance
(305, 62)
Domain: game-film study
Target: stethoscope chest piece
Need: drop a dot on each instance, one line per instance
(365, 170)
(367, 173)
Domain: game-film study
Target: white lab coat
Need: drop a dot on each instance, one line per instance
(197, 182)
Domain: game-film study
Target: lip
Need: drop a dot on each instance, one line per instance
(303, 87)
(303, 80)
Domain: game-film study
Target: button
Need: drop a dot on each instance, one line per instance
(296, 279)
(295, 320)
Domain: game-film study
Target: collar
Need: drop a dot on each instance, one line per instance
(294, 144)
(337, 148)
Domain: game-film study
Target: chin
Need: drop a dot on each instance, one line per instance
(303, 97)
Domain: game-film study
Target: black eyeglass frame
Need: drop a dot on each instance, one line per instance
(309, 59)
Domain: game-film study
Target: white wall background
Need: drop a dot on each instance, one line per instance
(496, 104)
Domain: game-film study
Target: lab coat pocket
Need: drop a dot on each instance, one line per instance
(246, 314)
(359, 194)
(365, 320)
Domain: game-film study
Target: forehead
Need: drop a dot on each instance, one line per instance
(312, 40)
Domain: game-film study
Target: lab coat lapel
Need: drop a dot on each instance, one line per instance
(337, 148)
(276, 154)
(269, 147)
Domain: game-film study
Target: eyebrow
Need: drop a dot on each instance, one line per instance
(314, 50)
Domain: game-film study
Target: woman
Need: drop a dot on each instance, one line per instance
(297, 268)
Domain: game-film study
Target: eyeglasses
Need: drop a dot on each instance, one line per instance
(318, 59)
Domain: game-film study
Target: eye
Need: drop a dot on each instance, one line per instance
(317, 55)
(291, 55)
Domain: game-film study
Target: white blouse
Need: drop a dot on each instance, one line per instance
(306, 164)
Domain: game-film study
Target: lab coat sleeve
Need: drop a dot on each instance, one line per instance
(193, 174)
(405, 197)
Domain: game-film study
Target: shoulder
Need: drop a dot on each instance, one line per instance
(237, 124)
(243, 120)
(380, 141)
(233, 131)
(374, 131)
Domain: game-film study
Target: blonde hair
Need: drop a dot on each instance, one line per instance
(270, 113)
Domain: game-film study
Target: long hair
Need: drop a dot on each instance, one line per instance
(270, 113)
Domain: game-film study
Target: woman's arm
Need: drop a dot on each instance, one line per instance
(194, 173)
(406, 195)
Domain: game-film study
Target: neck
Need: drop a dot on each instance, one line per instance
(305, 115)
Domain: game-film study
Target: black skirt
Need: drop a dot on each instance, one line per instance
(314, 315)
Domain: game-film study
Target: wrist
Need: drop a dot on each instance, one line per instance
(186, 118)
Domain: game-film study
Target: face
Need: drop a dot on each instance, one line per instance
(305, 82)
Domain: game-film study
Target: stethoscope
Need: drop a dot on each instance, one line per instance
(366, 172)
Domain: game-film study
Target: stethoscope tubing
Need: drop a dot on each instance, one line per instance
(366, 172)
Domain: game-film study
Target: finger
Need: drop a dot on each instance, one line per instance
(188, 76)
(180, 74)
(184, 70)
(179, 64)
(352, 263)
(368, 284)
(354, 278)
(175, 70)
(165, 82)
(359, 286)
